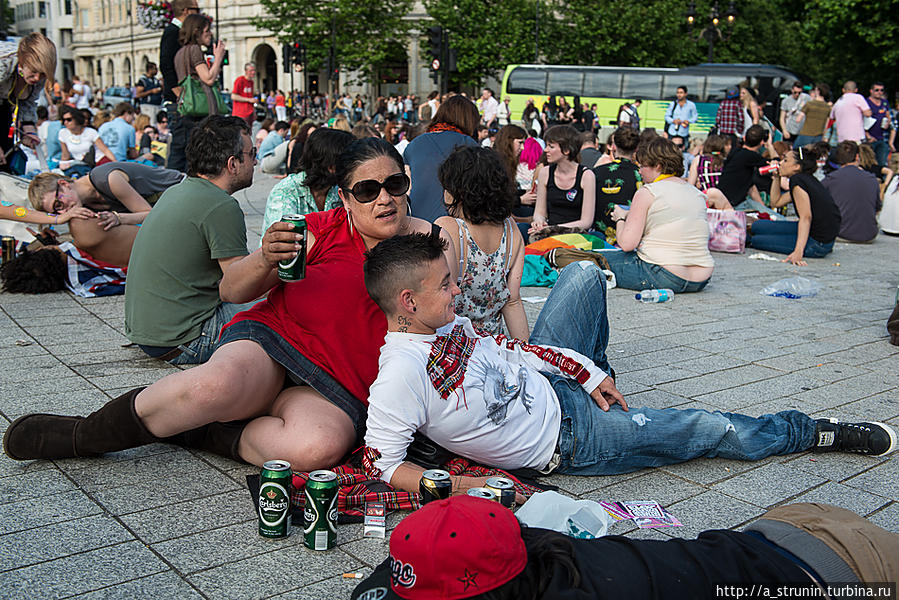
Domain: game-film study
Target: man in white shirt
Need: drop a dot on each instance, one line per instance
(546, 405)
(488, 106)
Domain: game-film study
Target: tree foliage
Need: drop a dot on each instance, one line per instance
(825, 40)
(364, 35)
(850, 39)
(489, 34)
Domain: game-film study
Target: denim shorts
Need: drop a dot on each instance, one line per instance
(300, 369)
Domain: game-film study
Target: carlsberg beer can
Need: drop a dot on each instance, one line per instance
(295, 269)
(320, 514)
(274, 499)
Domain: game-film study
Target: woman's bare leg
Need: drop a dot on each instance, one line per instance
(239, 381)
(303, 428)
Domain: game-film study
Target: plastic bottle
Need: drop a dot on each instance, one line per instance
(655, 295)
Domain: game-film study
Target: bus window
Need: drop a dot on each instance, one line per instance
(602, 84)
(527, 80)
(716, 86)
(641, 85)
(565, 83)
(694, 84)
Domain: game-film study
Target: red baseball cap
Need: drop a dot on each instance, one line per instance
(450, 549)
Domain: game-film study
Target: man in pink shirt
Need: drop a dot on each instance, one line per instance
(849, 114)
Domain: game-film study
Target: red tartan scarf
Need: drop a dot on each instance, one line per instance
(449, 359)
(354, 492)
(438, 127)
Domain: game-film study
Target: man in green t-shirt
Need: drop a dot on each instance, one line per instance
(172, 306)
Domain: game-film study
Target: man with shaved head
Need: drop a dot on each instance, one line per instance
(849, 114)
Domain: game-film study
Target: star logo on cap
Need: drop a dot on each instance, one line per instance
(468, 580)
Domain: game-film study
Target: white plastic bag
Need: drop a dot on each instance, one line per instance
(792, 287)
(576, 518)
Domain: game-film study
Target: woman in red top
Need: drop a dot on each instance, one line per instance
(300, 362)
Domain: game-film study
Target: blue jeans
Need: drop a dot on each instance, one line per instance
(574, 315)
(804, 140)
(780, 237)
(201, 348)
(631, 273)
(881, 151)
(594, 442)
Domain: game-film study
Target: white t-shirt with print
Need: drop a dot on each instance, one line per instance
(503, 413)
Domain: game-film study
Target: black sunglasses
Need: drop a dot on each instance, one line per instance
(367, 190)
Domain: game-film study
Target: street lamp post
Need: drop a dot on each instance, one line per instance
(712, 33)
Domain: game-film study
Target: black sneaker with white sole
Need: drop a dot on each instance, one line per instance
(871, 438)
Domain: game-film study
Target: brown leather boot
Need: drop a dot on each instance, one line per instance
(114, 427)
(218, 438)
(893, 326)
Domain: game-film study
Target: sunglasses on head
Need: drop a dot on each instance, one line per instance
(368, 189)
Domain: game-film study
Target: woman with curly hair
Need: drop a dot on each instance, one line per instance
(479, 196)
(39, 272)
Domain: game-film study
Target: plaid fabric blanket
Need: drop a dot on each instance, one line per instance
(357, 488)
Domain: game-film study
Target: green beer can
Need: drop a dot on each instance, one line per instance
(274, 499)
(294, 269)
(320, 514)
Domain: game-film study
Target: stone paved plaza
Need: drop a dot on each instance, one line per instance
(163, 522)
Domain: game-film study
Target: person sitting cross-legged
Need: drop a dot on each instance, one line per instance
(548, 405)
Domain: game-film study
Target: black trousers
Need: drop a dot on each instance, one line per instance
(181, 128)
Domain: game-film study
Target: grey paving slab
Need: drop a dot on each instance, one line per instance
(831, 372)
(131, 472)
(33, 484)
(858, 501)
(656, 485)
(215, 547)
(22, 515)
(36, 387)
(70, 537)
(719, 380)
(881, 480)
(63, 402)
(707, 471)
(847, 390)
(835, 467)
(270, 573)
(167, 490)
(161, 585)
(769, 485)
(711, 510)
(84, 572)
(759, 391)
(192, 516)
(888, 518)
(661, 374)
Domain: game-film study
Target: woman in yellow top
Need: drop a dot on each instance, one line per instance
(664, 237)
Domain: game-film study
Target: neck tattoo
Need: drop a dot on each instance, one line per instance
(403, 323)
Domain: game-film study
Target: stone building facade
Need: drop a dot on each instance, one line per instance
(102, 42)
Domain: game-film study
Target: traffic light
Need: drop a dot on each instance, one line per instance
(435, 42)
(286, 51)
(299, 53)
